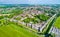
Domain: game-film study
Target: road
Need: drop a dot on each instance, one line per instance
(47, 23)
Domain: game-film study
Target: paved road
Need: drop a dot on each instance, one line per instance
(48, 22)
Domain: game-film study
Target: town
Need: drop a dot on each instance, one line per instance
(30, 21)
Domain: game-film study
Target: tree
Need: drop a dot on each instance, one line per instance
(42, 17)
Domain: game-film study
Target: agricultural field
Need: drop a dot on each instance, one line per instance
(11, 29)
(57, 23)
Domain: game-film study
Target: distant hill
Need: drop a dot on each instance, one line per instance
(52, 5)
(29, 5)
(15, 5)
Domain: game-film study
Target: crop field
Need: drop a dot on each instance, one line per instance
(57, 23)
(13, 30)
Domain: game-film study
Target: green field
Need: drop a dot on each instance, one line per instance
(13, 30)
(57, 23)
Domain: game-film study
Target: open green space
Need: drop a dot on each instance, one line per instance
(57, 23)
(10, 29)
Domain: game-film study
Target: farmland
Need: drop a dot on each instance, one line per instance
(10, 29)
(57, 23)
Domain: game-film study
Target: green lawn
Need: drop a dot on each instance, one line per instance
(57, 23)
(13, 30)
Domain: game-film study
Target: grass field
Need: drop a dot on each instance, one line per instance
(13, 30)
(57, 23)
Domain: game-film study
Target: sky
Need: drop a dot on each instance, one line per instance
(29, 1)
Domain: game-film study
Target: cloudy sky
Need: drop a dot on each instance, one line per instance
(29, 1)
